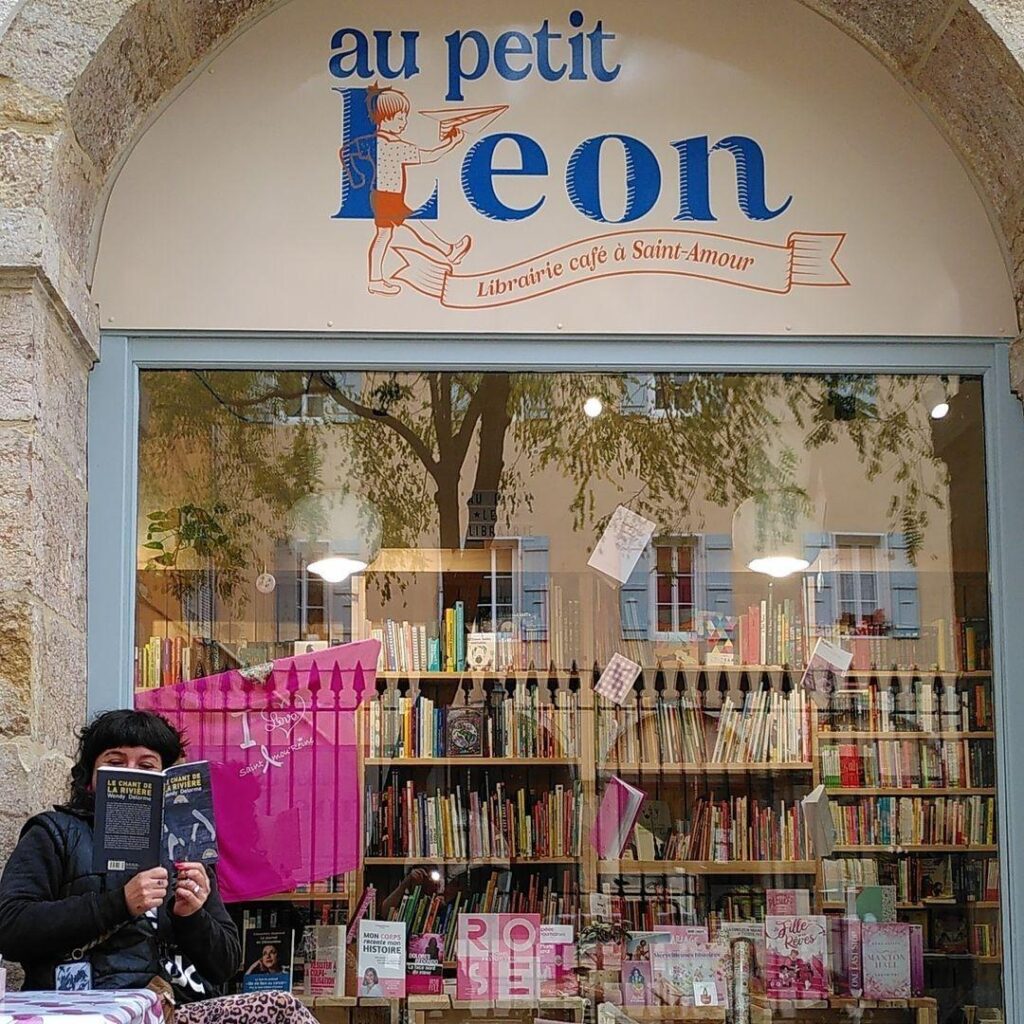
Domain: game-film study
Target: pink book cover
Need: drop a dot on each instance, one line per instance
(796, 957)
(424, 970)
(636, 983)
(886, 960)
(613, 824)
(497, 956)
(916, 961)
(786, 902)
(557, 962)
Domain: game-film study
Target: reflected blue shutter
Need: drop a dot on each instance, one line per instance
(636, 393)
(286, 593)
(635, 599)
(350, 383)
(823, 582)
(718, 572)
(535, 587)
(906, 606)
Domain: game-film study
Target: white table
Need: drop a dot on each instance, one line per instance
(98, 1007)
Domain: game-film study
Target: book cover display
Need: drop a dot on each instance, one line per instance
(556, 956)
(424, 970)
(145, 819)
(325, 965)
(465, 732)
(268, 960)
(615, 818)
(797, 957)
(497, 956)
(886, 960)
(382, 963)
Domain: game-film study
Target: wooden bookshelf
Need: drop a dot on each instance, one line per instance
(825, 734)
(706, 867)
(918, 848)
(456, 762)
(475, 862)
(924, 791)
(978, 958)
(709, 768)
(298, 897)
(966, 905)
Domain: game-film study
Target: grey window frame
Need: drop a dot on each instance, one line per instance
(112, 467)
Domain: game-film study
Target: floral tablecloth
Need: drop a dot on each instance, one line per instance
(135, 1007)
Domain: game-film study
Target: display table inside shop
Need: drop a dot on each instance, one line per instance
(836, 1009)
(128, 1007)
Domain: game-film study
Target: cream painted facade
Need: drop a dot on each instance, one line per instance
(80, 82)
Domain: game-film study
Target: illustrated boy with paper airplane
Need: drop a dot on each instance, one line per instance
(389, 112)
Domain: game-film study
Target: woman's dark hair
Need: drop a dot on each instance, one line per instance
(121, 729)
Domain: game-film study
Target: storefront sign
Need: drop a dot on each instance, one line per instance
(671, 167)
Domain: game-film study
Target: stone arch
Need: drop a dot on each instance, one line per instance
(80, 81)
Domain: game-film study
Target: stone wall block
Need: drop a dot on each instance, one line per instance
(60, 707)
(22, 105)
(19, 396)
(63, 392)
(42, 525)
(137, 64)
(33, 777)
(49, 42)
(19, 516)
(1007, 18)
(204, 25)
(73, 200)
(61, 542)
(976, 88)
(897, 33)
(21, 641)
(26, 159)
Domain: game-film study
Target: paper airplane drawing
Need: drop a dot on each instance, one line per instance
(451, 118)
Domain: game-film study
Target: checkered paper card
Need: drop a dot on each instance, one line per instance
(618, 678)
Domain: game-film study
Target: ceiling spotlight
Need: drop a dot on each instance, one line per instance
(939, 410)
(593, 406)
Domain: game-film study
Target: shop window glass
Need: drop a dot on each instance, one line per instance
(796, 567)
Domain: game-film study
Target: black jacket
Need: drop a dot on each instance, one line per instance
(53, 903)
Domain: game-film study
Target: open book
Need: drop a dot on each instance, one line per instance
(148, 819)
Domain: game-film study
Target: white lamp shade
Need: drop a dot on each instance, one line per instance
(768, 536)
(348, 525)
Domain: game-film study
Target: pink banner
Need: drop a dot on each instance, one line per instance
(281, 739)
(807, 259)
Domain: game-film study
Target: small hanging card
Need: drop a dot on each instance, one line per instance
(618, 678)
(623, 542)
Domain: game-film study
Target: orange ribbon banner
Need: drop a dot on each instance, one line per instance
(806, 259)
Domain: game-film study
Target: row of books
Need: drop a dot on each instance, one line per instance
(497, 823)
(741, 829)
(840, 874)
(946, 879)
(772, 633)
(983, 940)
(912, 821)
(908, 763)
(520, 724)
(770, 727)
(909, 705)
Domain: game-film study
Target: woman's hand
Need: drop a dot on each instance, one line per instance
(191, 888)
(148, 889)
